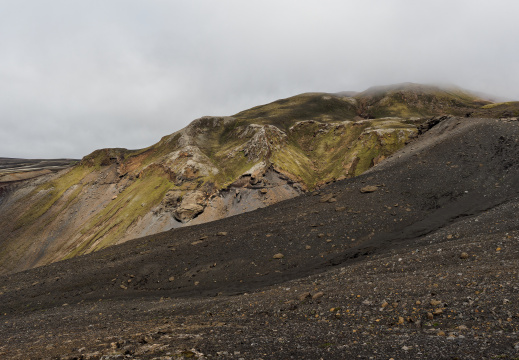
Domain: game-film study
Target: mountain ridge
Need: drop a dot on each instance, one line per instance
(213, 168)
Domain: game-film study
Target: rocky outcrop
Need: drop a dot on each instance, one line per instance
(184, 206)
(189, 163)
(262, 141)
(430, 123)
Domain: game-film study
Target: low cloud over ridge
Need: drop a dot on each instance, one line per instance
(77, 76)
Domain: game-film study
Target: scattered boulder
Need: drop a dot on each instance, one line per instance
(304, 296)
(464, 255)
(278, 256)
(254, 180)
(189, 206)
(369, 189)
(318, 295)
(222, 233)
(435, 302)
(326, 198)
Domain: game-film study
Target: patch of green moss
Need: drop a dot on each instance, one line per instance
(294, 162)
(317, 154)
(228, 130)
(52, 192)
(505, 109)
(491, 106)
(218, 147)
(314, 106)
(374, 145)
(406, 100)
(104, 157)
(71, 199)
(367, 150)
(231, 170)
(112, 222)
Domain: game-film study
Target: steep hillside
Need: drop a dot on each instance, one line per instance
(416, 258)
(214, 168)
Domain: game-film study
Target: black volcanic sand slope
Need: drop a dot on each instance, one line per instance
(377, 263)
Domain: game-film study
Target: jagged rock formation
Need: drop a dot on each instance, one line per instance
(214, 168)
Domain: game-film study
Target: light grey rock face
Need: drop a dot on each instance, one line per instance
(190, 205)
(184, 206)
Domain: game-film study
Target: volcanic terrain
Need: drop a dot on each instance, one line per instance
(415, 258)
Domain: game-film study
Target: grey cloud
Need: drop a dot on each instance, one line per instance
(77, 76)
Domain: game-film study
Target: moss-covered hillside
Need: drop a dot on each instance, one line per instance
(271, 152)
(416, 100)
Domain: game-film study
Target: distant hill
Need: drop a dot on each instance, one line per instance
(408, 100)
(12, 169)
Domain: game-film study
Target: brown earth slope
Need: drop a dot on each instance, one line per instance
(417, 258)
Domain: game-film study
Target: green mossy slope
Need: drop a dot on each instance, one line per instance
(312, 138)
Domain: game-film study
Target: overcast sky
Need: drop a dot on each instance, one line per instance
(80, 75)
